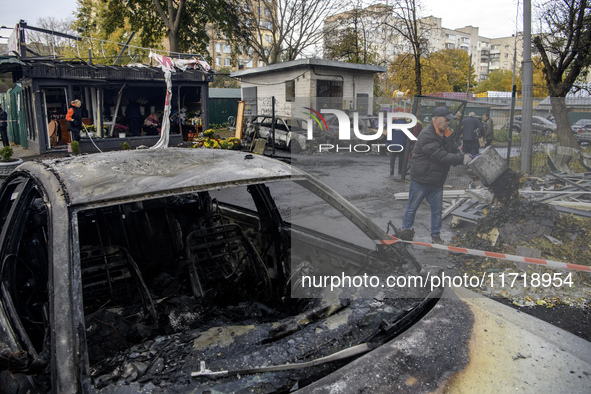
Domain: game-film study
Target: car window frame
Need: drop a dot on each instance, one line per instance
(10, 237)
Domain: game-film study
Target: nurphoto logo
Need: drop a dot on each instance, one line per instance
(345, 125)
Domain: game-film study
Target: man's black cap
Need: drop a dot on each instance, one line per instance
(443, 111)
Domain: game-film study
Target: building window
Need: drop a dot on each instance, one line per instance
(268, 38)
(248, 63)
(329, 88)
(227, 48)
(218, 49)
(218, 61)
(290, 91)
(268, 25)
(261, 64)
(227, 61)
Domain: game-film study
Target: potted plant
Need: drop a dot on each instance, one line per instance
(7, 162)
(121, 130)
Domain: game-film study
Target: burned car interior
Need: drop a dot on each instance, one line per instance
(205, 274)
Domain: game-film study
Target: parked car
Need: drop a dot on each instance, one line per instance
(540, 125)
(582, 126)
(584, 137)
(175, 270)
(290, 133)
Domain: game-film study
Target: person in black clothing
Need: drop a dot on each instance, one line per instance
(3, 127)
(134, 118)
(471, 131)
(74, 118)
(434, 153)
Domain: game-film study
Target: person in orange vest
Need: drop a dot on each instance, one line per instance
(74, 118)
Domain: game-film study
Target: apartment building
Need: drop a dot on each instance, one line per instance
(487, 54)
(502, 51)
(259, 15)
(371, 27)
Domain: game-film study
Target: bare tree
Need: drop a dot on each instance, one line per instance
(414, 31)
(354, 36)
(47, 44)
(282, 30)
(564, 46)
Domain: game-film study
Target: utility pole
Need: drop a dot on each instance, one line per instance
(513, 96)
(526, 91)
(469, 75)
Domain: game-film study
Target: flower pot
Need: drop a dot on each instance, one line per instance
(6, 167)
(122, 135)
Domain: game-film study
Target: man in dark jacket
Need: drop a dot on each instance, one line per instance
(434, 153)
(471, 131)
(489, 129)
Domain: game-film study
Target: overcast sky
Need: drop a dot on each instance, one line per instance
(494, 18)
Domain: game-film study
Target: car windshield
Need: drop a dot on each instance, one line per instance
(189, 266)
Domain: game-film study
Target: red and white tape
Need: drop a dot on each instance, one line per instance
(503, 256)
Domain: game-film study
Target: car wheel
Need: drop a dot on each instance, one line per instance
(294, 146)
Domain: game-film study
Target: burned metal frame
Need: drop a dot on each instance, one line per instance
(159, 178)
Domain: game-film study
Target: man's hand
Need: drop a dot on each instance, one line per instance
(467, 159)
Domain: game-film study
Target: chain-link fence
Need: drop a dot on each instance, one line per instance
(546, 153)
(292, 122)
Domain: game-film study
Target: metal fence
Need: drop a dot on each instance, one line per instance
(508, 142)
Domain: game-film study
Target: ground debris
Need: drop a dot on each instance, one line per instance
(526, 223)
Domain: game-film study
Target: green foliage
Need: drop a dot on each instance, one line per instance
(222, 80)
(106, 21)
(502, 135)
(125, 146)
(350, 47)
(186, 32)
(75, 146)
(6, 153)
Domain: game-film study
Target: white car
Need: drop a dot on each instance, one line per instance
(290, 133)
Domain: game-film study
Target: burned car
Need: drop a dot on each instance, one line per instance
(290, 133)
(178, 270)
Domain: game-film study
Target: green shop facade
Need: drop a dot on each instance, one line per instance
(44, 88)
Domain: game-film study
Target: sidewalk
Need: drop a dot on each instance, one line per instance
(29, 155)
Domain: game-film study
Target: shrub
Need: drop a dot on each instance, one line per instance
(6, 153)
(125, 146)
(502, 135)
(75, 146)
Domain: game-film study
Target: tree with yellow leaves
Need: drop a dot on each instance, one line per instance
(442, 71)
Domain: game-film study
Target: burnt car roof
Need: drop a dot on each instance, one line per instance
(127, 174)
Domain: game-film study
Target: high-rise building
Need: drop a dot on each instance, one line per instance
(260, 16)
(486, 54)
